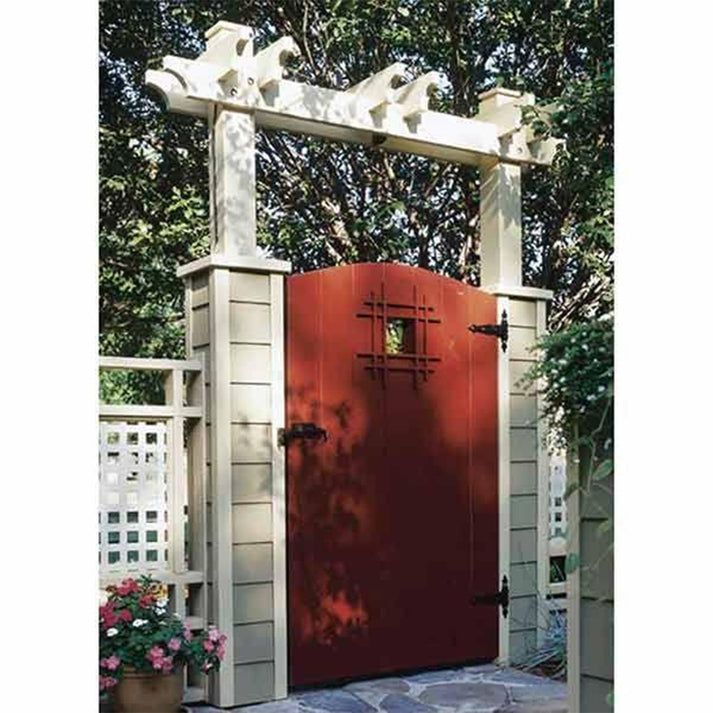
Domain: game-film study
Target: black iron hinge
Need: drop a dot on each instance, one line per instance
(501, 598)
(494, 330)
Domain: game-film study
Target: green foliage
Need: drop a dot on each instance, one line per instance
(127, 387)
(323, 204)
(576, 366)
(136, 631)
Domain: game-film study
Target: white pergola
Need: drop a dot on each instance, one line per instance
(235, 320)
(237, 89)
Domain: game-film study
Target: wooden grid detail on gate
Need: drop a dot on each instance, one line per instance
(417, 362)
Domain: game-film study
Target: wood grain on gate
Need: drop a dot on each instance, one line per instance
(392, 522)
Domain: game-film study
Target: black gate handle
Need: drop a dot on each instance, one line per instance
(302, 431)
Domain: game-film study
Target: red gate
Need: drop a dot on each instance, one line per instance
(393, 519)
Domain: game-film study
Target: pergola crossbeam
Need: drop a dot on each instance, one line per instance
(375, 111)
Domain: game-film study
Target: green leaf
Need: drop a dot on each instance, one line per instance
(571, 563)
(603, 470)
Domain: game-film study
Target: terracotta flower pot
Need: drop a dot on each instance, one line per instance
(139, 692)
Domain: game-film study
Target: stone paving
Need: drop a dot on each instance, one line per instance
(471, 689)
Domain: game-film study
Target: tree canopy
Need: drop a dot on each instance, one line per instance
(322, 203)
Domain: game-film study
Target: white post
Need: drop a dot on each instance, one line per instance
(500, 208)
(235, 318)
(232, 182)
(500, 225)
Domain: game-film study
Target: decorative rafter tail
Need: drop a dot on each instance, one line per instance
(227, 43)
(414, 97)
(271, 62)
(379, 88)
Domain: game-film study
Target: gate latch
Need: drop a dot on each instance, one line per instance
(302, 431)
(501, 598)
(494, 330)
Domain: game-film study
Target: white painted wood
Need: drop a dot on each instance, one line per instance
(253, 602)
(197, 489)
(500, 225)
(233, 221)
(228, 77)
(503, 107)
(573, 594)
(187, 312)
(177, 483)
(503, 482)
(270, 62)
(221, 486)
(183, 578)
(379, 88)
(148, 412)
(557, 504)
(250, 323)
(519, 291)
(246, 263)
(250, 287)
(133, 486)
(138, 363)
(543, 499)
(413, 98)
(252, 522)
(254, 642)
(253, 563)
(279, 497)
(254, 682)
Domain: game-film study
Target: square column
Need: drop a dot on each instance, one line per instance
(232, 182)
(524, 461)
(234, 317)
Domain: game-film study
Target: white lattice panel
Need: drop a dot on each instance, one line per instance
(558, 508)
(133, 507)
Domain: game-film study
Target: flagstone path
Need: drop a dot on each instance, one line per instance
(471, 689)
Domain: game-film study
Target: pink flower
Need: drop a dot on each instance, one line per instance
(107, 682)
(125, 615)
(128, 586)
(213, 633)
(187, 635)
(208, 645)
(112, 663)
(167, 664)
(154, 653)
(146, 601)
(220, 651)
(174, 644)
(107, 617)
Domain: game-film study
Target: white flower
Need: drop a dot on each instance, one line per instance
(112, 631)
(162, 602)
(139, 622)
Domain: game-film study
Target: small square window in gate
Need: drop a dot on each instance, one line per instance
(400, 336)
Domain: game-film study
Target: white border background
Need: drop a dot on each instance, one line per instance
(664, 499)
